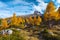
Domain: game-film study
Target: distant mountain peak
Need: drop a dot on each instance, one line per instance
(37, 13)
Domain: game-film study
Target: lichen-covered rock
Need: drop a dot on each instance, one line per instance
(9, 31)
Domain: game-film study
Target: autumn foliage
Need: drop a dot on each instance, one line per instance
(4, 23)
(36, 20)
(50, 14)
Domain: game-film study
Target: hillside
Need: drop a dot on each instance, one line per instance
(34, 26)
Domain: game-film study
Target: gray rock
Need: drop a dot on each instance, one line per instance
(9, 31)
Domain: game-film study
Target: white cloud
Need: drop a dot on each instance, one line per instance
(20, 9)
(58, 1)
(19, 5)
(39, 0)
(57, 4)
(4, 13)
(19, 2)
(41, 6)
(8, 11)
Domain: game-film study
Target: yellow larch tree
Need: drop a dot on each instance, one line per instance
(14, 20)
(39, 20)
(35, 20)
(27, 20)
(19, 20)
(50, 11)
(31, 20)
(56, 14)
(56, 17)
(4, 23)
(50, 7)
(50, 14)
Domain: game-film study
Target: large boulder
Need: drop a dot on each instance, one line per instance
(9, 31)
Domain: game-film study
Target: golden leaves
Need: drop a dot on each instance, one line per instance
(35, 20)
(4, 23)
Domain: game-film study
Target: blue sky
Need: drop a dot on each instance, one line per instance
(23, 7)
